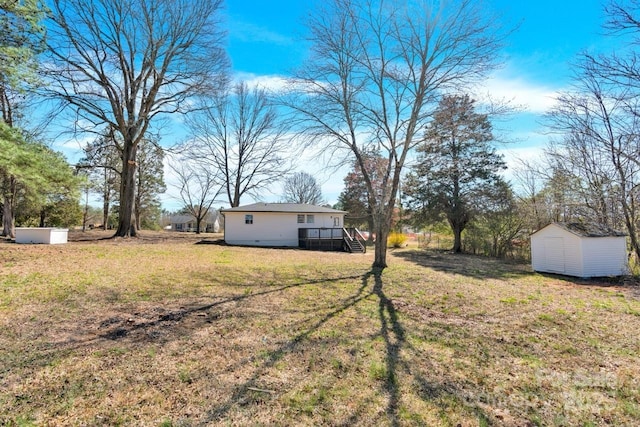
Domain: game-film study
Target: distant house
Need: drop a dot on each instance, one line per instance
(187, 222)
(581, 250)
(286, 225)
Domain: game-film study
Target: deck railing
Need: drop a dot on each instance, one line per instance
(331, 239)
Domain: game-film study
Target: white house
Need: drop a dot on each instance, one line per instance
(581, 250)
(278, 224)
(187, 222)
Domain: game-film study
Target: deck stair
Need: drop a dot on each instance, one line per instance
(354, 240)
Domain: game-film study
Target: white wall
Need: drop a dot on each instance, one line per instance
(605, 256)
(556, 250)
(272, 228)
(46, 235)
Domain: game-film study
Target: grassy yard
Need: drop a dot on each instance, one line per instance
(166, 332)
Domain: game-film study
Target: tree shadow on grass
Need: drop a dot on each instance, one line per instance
(475, 266)
(394, 337)
(120, 327)
(396, 368)
(389, 329)
(240, 391)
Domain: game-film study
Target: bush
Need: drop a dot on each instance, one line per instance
(396, 240)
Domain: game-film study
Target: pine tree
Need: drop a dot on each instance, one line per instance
(456, 164)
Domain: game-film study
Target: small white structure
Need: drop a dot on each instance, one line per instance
(276, 224)
(581, 250)
(44, 235)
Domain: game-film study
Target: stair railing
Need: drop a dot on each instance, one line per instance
(353, 235)
(360, 238)
(347, 239)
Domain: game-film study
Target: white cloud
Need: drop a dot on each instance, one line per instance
(272, 83)
(530, 96)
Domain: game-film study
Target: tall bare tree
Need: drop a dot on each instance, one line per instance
(125, 63)
(302, 187)
(375, 70)
(198, 188)
(238, 132)
(104, 167)
(602, 143)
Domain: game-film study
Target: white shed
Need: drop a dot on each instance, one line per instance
(277, 224)
(577, 249)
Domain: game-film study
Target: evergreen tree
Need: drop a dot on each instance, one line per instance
(36, 175)
(21, 38)
(149, 184)
(456, 164)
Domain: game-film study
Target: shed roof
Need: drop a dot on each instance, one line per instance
(282, 208)
(587, 229)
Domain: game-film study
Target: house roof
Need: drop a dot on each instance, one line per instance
(183, 219)
(282, 208)
(587, 229)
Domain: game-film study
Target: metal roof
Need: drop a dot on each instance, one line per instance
(282, 208)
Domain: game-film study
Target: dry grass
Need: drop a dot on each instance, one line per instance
(161, 331)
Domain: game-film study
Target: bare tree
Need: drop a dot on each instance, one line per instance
(302, 187)
(104, 167)
(197, 186)
(238, 133)
(375, 71)
(125, 63)
(602, 141)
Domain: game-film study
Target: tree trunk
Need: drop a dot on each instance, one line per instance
(137, 215)
(8, 219)
(126, 225)
(85, 211)
(380, 250)
(457, 239)
(382, 227)
(106, 200)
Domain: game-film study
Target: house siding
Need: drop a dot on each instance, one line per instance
(277, 229)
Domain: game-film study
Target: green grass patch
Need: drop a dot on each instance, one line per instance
(133, 332)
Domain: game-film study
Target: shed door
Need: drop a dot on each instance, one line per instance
(554, 254)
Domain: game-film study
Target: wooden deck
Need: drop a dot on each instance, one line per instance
(330, 239)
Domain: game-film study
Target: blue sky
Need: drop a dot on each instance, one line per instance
(266, 40)
(264, 43)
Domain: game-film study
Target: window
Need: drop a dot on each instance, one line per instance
(310, 219)
(300, 219)
(336, 221)
(248, 219)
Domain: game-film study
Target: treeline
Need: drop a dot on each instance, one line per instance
(123, 74)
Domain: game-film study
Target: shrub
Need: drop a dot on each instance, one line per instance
(396, 240)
